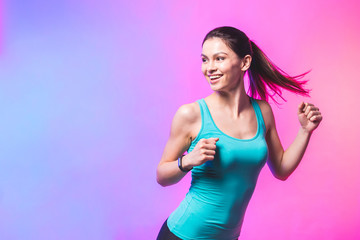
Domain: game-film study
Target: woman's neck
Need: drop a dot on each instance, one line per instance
(234, 101)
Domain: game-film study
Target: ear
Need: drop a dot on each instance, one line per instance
(245, 63)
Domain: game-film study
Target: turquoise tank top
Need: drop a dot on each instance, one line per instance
(220, 190)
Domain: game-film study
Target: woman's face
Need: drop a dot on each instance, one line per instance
(220, 65)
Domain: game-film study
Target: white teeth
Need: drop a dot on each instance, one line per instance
(214, 77)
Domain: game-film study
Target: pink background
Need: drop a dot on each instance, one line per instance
(88, 90)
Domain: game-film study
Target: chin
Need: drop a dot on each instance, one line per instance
(216, 88)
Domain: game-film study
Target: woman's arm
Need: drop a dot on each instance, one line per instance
(183, 123)
(185, 126)
(283, 163)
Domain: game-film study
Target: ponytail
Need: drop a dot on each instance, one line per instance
(266, 79)
(264, 74)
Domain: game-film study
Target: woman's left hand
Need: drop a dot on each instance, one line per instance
(309, 116)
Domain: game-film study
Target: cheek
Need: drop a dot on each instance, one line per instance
(203, 69)
(235, 69)
(226, 68)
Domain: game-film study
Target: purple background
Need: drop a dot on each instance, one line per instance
(88, 90)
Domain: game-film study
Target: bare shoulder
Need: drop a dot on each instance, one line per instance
(267, 113)
(265, 107)
(187, 120)
(188, 113)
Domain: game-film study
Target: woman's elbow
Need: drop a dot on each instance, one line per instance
(279, 173)
(282, 177)
(161, 181)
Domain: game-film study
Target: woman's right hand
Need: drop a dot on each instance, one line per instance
(203, 151)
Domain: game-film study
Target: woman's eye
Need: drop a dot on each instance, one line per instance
(203, 60)
(220, 58)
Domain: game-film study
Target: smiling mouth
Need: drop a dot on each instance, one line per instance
(215, 77)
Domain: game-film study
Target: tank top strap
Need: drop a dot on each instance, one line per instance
(259, 115)
(206, 118)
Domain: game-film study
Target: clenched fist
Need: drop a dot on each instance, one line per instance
(309, 116)
(203, 151)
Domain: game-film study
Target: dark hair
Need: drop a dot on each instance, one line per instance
(264, 75)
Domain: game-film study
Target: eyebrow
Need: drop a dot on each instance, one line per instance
(218, 53)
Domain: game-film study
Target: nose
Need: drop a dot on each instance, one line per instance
(211, 67)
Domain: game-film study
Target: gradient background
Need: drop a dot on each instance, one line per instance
(88, 90)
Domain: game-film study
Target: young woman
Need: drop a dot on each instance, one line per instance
(229, 136)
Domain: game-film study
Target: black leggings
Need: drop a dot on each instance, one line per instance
(165, 233)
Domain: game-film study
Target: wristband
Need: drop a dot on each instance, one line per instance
(180, 164)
